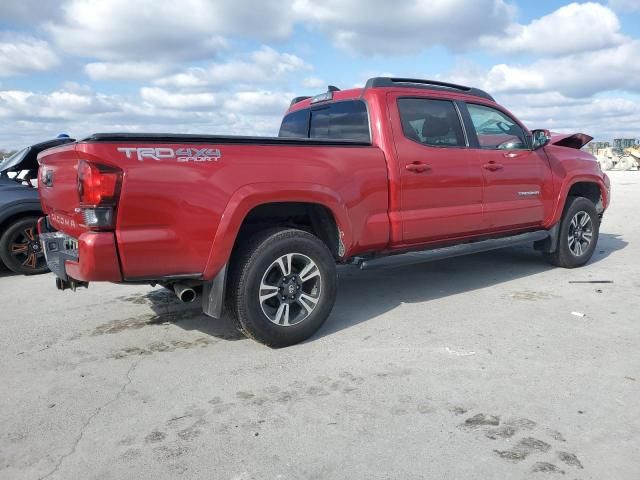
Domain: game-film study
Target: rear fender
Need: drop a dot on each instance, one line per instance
(250, 196)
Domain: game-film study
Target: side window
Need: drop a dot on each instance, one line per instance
(295, 125)
(495, 130)
(431, 122)
(349, 121)
(346, 120)
(341, 121)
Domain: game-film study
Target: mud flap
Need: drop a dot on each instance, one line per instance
(213, 294)
(549, 244)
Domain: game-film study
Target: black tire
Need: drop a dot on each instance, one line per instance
(565, 255)
(256, 262)
(20, 248)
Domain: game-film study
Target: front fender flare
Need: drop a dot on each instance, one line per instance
(564, 193)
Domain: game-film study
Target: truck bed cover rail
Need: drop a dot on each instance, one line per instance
(219, 139)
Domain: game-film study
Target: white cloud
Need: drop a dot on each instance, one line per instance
(265, 65)
(313, 82)
(23, 54)
(505, 78)
(604, 117)
(579, 75)
(121, 29)
(180, 101)
(75, 87)
(250, 102)
(261, 102)
(57, 105)
(405, 27)
(128, 71)
(573, 28)
(148, 30)
(574, 76)
(190, 78)
(29, 117)
(194, 75)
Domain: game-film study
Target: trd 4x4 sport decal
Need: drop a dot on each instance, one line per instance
(186, 154)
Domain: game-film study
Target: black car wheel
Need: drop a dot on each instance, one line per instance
(20, 248)
(282, 286)
(579, 229)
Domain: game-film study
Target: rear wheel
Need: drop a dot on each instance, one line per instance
(20, 247)
(282, 286)
(578, 235)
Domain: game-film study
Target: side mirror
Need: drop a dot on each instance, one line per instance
(540, 138)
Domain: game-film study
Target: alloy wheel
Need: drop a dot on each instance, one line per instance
(25, 247)
(290, 289)
(580, 233)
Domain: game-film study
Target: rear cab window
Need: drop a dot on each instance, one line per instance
(342, 120)
(295, 125)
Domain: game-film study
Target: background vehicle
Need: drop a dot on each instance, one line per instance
(259, 223)
(20, 248)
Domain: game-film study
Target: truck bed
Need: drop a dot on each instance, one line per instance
(180, 218)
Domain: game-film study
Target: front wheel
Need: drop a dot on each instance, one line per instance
(282, 286)
(578, 235)
(20, 248)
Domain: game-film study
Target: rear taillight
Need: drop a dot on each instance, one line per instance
(99, 188)
(98, 184)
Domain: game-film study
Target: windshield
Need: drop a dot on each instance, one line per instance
(14, 160)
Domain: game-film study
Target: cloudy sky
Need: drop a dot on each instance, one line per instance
(232, 66)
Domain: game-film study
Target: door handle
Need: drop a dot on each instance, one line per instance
(493, 166)
(417, 167)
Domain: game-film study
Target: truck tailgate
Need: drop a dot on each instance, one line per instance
(58, 188)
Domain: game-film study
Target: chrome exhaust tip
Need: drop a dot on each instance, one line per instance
(185, 293)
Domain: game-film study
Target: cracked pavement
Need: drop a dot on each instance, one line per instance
(473, 367)
(91, 417)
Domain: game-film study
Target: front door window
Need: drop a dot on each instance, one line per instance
(495, 130)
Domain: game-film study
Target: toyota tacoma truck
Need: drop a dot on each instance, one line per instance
(257, 225)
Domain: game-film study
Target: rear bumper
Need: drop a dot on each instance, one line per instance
(92, 257)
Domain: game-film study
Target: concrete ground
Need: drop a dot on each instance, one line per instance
(469, 368)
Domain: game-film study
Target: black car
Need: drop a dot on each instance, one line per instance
(20, 248)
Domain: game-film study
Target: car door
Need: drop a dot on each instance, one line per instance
(441, 182)
(516, 178)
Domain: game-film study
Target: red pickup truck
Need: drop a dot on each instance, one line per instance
(258, 224)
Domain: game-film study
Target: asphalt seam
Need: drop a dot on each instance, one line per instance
(132, 368)
(90, 419)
